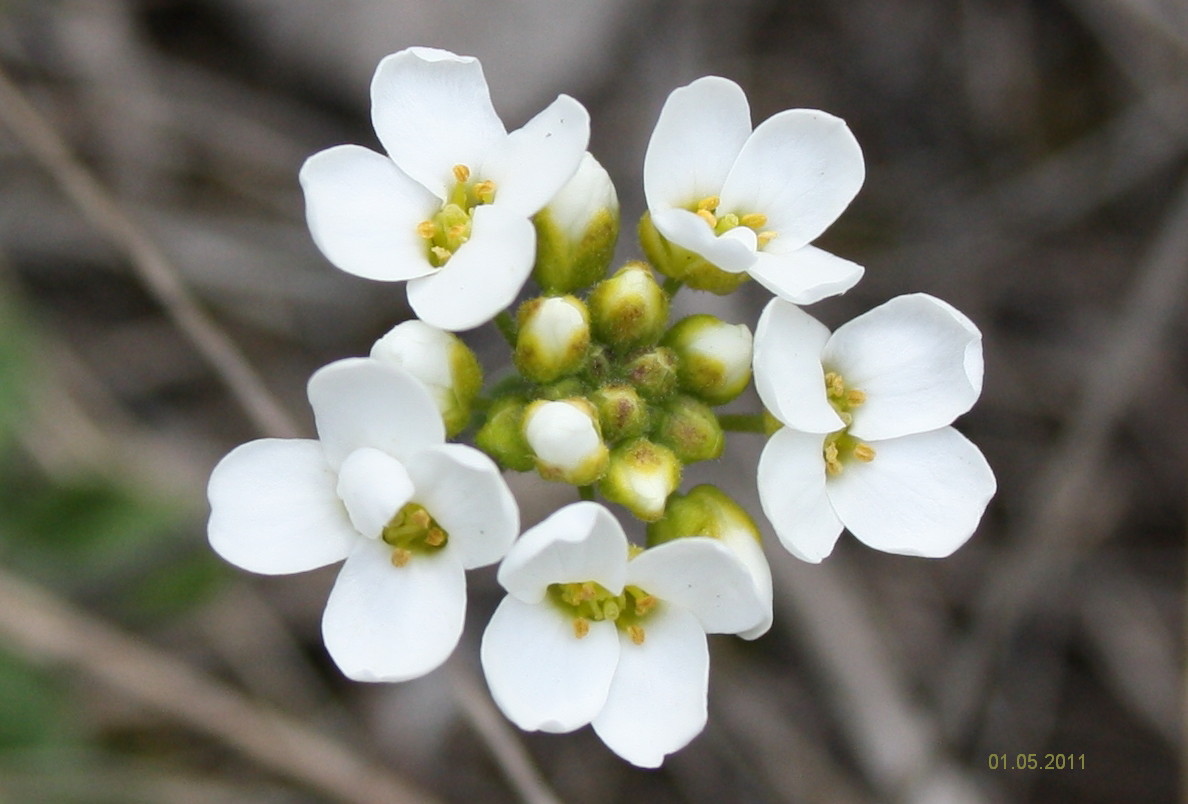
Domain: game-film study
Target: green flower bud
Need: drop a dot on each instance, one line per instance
(715, 357)
(552, 337)
(629, 310)
(690, 429)
(576, 232)
(654, 372)
(565, 440)
(640, 476)
(441, 361)
(621, 412)
(679, 263)
(502, 436)
(708, 511)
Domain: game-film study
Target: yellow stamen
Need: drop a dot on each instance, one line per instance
(442, 254)
(832, 464)
(484, 191)
(401, 557)
(461, 173)
(864, 453)
(855, 397)
(435, 537)
(636, 633)
(754, 220)
(708, 203)
(426, 229)
(708, 217)
(581, 627)
(766, 237)
(645, 604)
(457, 232)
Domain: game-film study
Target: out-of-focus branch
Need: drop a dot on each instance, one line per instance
(153, 268)
(46, 629)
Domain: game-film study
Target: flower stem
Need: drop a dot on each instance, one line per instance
(742, 422)
(507, 327)
(672, 285)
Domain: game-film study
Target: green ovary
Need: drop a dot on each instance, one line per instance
(587, 601)
(413, 530)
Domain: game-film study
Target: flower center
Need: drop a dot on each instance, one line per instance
(587, 601)
(707, 210)
(449, 228)
(412, 531)
(840, 446)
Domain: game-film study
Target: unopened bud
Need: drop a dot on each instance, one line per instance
(577, 230)
(690, 429)
(679, 263)
(707, 511)
(715, 357)
(629, 310)
(502, 435)
(640, 476)
(441, 361)
(653, 373)
(552, 337)
(565, 441)
(621, 412)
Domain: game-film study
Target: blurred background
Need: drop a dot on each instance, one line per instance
(1025, 162)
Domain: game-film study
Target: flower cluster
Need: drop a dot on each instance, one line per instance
(405, 480)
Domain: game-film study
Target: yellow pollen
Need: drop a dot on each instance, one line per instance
(435, 537)
(644, 604)
(636, 633)
(766, 237)
(834, 384)
(457, 232)
(401, 557)
(484, 191)
(864, 453)
(846, 417)
(708, 217)
(855, 397)
(581, 627)
(754, 220)
(461, 173)
(708, 203)
(426, 229)
(832, 464)
(442, 254)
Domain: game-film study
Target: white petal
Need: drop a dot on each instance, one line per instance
(419, 349)
(704, 577)
(273, 508)
(657, 700)
(749, 551)
(800, 168)
(701, 129)
(388, 623)
(918, 361)
(804, 276)
(363, 213)
(374, 486)
(580, 542)
(536, 161)
(360, 402)
(922, 495)
(562, 434)
(792, 491)
(733, 251)
(432, 110)
(482, 277)
(464, 491)
(541, 675)
(788, 372)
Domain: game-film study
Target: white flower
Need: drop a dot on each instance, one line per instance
(587, 636)
(449, 207)
(565, 440)
(866, 444)
(753, 200)
(444, 364)
(381, 489)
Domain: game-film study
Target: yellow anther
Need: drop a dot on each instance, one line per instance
(855, 397)
(427, 229)
(441, 254)
(436, 537)
(457, 232)
(636, 633)
(766, 237)
(644, 604)
(401, 557)
(708, 217)
(846, 417)
(834, 384)
(581, 627)
(484, 191)
(708, 203)
(864, 452)
(832, 464)
(461, 173)
(754, 220)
